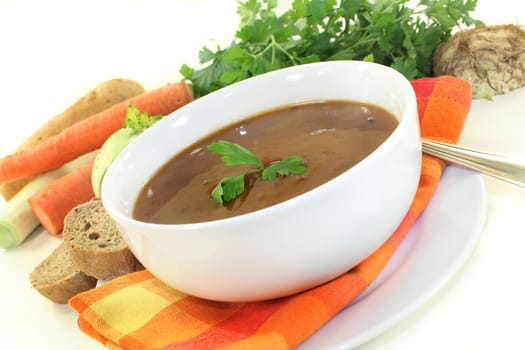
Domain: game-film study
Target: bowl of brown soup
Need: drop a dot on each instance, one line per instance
(272, 185)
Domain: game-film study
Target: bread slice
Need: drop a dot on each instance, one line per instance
(95, 243)
(58, 278)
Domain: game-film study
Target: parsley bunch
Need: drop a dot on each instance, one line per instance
(389, 32)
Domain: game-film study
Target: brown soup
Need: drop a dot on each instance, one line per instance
(332, 136)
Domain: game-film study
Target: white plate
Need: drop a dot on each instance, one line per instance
(432, 252)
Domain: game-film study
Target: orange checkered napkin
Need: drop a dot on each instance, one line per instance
(137, 311)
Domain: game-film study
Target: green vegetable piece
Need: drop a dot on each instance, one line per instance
(232, 187)
(133, 126)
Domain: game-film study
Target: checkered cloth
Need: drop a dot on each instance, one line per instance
(137, 311)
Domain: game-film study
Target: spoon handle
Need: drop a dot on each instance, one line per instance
(498, 166)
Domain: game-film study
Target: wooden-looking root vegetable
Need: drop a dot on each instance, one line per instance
(99, 98)
(491, 58)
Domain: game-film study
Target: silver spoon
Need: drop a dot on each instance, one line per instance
(498, 166)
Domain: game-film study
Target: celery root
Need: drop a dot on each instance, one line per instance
(491, 58)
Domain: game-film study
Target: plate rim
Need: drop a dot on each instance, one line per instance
(451, 177)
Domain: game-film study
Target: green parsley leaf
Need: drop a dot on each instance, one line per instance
(232, 187)
(139, 121)
(234, 154)
(406, 67)
(228, 188)
(290, 165)
(369, 58)
(218, 192)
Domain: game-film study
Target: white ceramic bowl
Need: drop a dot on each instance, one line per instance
(294, 245)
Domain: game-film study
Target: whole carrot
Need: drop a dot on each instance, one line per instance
(89, 134)
(53, 201)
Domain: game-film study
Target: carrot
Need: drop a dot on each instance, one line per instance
(99, 98)
(89, 134)
(53, 201)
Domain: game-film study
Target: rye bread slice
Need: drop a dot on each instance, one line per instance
(95, 243)
(58, 278)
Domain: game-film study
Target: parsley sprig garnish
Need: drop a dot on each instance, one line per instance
(231, 153)
(391, 32)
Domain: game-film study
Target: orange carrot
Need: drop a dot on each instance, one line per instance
(53, 201)
(89, 134)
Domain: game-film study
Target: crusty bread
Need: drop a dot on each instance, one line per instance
(95, 243)
(58, 278)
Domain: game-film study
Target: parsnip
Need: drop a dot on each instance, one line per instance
(97, 99)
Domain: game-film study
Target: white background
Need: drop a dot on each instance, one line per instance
(52, 52)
